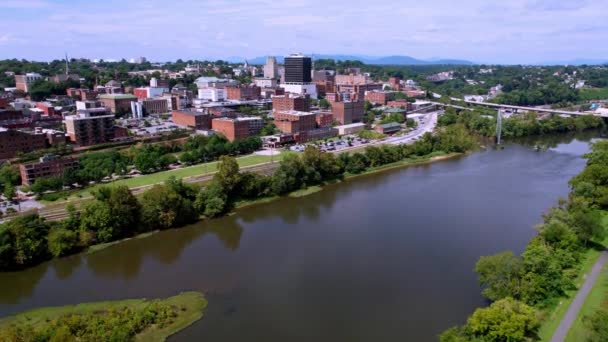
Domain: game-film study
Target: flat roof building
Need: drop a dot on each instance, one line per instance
(47, 166)
(295, 121)
(232, 128)
(15, 141)
(291, 102)
(23, 82)
(90, 126)
(117, 103)
(348, 112)
(196, 120)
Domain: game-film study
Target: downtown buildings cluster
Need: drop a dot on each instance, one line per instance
(301, 104)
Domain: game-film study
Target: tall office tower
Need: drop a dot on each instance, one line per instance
(298, 78)
(271, 68)
(298, 69)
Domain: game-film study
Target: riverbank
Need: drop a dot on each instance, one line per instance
(597, 300)
(186, 308)
(553, 316)
(432, 158)
(302, 192)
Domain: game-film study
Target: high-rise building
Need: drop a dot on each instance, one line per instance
(271, 68)
(298, 69)
(297, 76)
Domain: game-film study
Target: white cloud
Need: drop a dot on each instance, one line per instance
(512, 31)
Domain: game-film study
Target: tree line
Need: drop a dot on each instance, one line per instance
(483, 122)
(523, 287)
(120, 324)
(95, 166)
(115, 213)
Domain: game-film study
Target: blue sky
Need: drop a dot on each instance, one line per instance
(510, 31)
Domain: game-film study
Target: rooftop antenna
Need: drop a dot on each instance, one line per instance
(67, 64)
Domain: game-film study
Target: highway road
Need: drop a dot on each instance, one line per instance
(426, 124)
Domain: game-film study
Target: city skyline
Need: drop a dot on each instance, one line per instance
(522, 31)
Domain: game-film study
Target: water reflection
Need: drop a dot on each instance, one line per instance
(15, 286)
(67, 266)
(227, 230)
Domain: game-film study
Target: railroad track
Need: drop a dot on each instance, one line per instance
(60, 213)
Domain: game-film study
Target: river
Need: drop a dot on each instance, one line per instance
(382, 257)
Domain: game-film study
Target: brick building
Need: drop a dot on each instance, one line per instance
(82, 94)
(268, 93)
(243, 92)
(232, 129)
(47, 166)
(389, 128)
(324, 87)
(90, 126)
(357, 91)
(379, 96)
(63, 78)
(351, 79)
(255, 124)
(155, 106)
(295, 121)
(395, 83)
(348, 112)
(117, 103)
(192, 119)
(149, 92)
(324, 119)
(14, 141)
(23, 82)
(415, 93)
(400, 104)
(287, 102)
(47, 108)
(315, 134)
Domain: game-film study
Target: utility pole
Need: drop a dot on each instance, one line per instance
(498, 127)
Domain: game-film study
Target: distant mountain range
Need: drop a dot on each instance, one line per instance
(386, 60)
(407, 60)
(579, 61)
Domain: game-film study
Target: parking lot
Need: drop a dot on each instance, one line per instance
(345, 142)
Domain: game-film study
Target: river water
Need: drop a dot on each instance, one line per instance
(383, 257)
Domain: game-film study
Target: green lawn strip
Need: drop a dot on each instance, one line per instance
(159, 177)
(191, 306)
(596, 299)
(99, 247)
(305, 192)
(589, 94)
(554, 315)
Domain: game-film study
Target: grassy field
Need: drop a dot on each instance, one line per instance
(192, 303)
(555, 315)
(589, 94)
(597, 298)
(159, 177)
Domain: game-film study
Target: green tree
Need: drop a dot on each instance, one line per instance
(96, 217)
(597, 324)
(61, 241)
(411, 123)
(227, 175)
(323, 103)
(23, 242)
(500, 274)
(504, 320)
(163, 207)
